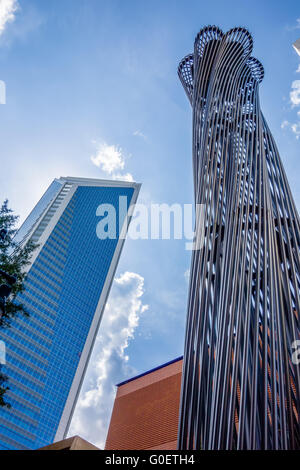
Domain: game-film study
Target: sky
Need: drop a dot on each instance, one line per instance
(92, 91)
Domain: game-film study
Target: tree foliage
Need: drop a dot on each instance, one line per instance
(3, 390)
(14, 258)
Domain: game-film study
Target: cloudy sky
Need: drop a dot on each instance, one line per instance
(92, 90)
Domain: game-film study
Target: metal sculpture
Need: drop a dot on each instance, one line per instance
(240, 387)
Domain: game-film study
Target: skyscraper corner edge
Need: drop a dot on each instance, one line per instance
(296, 46)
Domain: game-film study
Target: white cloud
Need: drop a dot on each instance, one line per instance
(294, 26)
(125, 177)
(295, 103)
(8, 9)
(296, 129)
(187, 275)
(110, 159)
(284, 124)
(109, 364)
(140, 134)
(295, 93)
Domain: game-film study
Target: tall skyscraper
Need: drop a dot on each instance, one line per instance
(241, 379)
(66, 288)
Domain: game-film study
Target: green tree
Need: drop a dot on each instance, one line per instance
(3, 390)
(13, 260)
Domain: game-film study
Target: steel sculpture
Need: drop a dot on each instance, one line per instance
(240, 387)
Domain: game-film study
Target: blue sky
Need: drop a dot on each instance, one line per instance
(94, 78)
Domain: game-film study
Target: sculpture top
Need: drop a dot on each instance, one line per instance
(213, 46)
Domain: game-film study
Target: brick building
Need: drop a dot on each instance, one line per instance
(146, 410)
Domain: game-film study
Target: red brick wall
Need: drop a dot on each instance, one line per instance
(145, 413)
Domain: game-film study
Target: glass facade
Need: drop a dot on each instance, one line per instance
(63, 288)
(37, 212)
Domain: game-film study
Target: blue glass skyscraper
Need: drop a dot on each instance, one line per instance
(66, 288)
